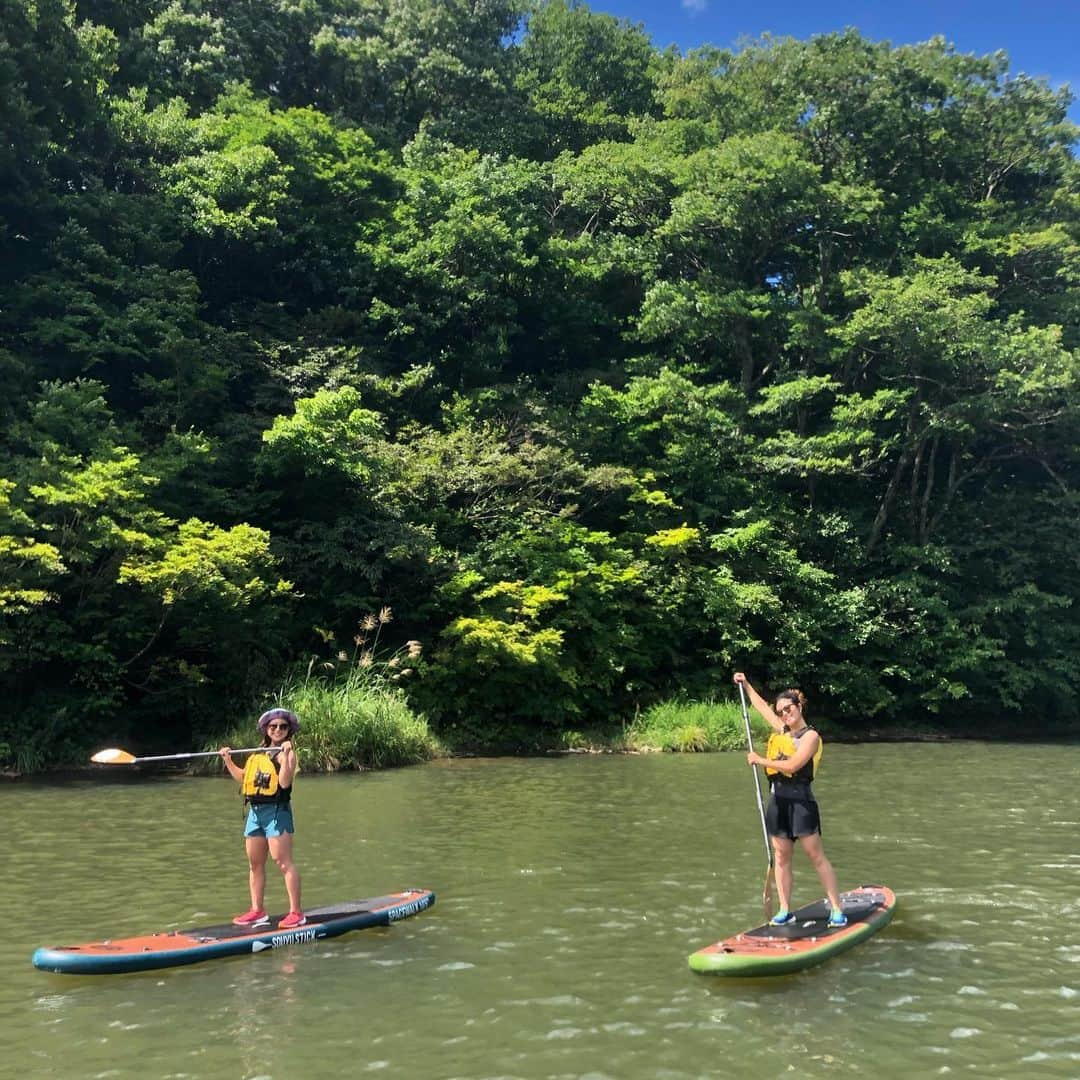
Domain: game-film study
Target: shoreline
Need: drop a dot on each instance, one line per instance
(136, 773)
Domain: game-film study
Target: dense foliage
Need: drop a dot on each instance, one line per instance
(609, 369)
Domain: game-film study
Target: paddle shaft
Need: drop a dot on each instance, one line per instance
(757, 779)
(204, 753)
(760, 805)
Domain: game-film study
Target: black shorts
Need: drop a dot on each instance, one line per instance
(792, 818)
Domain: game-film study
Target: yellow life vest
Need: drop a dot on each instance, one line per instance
(260, 784)
(784, 745)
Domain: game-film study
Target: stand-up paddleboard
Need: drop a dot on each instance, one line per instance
(175, 947)
(801, 943)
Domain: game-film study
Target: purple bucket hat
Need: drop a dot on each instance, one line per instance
(279, 714)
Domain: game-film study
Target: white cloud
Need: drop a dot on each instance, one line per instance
(695, 7)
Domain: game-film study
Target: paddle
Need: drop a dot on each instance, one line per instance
(122, 757)
(767, 896)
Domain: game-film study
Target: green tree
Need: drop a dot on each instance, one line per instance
(586, 75)
(127, 607)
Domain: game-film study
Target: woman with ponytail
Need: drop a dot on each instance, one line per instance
(790, 763)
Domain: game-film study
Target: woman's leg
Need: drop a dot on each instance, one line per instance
(782, 849)
(281, 852)
(814, 849)
(257, 848)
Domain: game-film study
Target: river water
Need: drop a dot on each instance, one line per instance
(570, 892)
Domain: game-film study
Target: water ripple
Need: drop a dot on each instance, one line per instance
(570, 892)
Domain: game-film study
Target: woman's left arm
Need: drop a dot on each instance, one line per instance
(287, 768)
(807, 748)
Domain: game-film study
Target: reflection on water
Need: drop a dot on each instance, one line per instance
(570, 892)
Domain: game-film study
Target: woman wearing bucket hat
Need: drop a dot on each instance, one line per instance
(266, 782)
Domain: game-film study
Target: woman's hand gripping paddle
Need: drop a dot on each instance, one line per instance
(122, 757)
(767, 894)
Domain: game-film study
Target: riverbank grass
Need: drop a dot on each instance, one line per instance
(348, 723)
(353, 712)
(693, 727)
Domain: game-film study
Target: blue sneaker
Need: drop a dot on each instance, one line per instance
(837, 918)
(781, 918)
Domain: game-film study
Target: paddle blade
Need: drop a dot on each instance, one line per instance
(113, 757)
(767, 894)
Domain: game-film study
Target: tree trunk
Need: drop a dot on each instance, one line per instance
(907, 455)
(746, 355)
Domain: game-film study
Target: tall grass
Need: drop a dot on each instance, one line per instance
(353, 712)
(693, 726)
(348, 723)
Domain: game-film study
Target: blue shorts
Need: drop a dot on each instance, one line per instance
(269, 820)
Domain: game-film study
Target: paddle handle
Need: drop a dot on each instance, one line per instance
(206, 753)
(757, 779)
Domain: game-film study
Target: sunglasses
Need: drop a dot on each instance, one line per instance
(277, 727)
(785, 709)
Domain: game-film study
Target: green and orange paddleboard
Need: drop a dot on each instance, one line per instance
(175, 947)
(805, 941)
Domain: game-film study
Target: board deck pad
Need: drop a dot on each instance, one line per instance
(805, 941)
(176, 947)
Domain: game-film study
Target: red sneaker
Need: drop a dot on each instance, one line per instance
(292, 921)
(251, 918)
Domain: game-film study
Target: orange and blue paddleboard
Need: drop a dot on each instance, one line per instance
(805, 941)
(175, 947)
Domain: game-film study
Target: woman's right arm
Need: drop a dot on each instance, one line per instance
(234, 770)
(760, 703)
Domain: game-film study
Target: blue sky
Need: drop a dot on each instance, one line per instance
(1041, 37)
